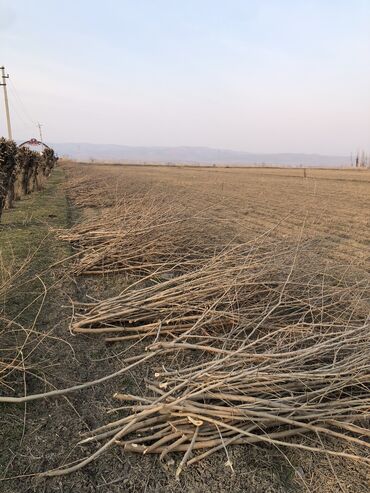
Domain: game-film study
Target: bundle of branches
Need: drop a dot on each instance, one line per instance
(97, 187)
(89, 191)
(249, 287)
(279, 355)
(317, 384)
(94, 187)
(303, 379)
(142, 234)
(8, 164)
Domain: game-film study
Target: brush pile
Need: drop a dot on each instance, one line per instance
(275, 388)
(22, 171)
(140, 233)
(88, 191)
(258, 344)
(94, 187)
(238, 284)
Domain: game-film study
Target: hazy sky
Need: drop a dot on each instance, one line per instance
(254, 75)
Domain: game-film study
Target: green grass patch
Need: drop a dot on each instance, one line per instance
(26, 236)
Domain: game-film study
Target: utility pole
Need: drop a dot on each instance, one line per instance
(40, 132)
(4, 77)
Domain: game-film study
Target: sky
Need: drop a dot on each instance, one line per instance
(252, 75)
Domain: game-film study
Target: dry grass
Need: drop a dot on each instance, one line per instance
(10, 357)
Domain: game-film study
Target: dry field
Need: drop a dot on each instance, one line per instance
(330, 207)
(221, 316)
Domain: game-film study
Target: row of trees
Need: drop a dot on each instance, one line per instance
(22, 171)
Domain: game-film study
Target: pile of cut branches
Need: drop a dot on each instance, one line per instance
(88, 190)
(275, 389)
(90, 186)
(243, 287)
(280, 355)
(140, 234)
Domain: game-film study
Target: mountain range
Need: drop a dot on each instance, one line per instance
(191, 155)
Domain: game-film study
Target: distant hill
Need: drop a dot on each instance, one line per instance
(191, 155)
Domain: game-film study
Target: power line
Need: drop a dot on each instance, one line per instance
(26, 122)
(23, 109)
(19, 115)
(21, 103)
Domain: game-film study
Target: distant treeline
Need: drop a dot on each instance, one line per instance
(22, 171)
